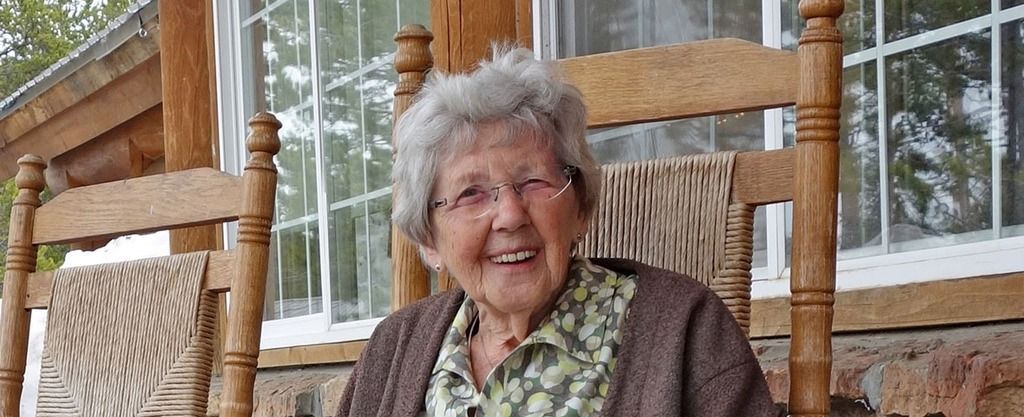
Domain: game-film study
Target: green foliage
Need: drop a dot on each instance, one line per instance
(33, 35)
(36, 33)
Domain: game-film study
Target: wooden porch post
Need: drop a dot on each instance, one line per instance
(463, 33)
(814, 207)
(188, 102)
(465, 29)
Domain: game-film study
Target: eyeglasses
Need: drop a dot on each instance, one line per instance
(476, 201)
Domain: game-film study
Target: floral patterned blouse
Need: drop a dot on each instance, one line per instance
(563, 368)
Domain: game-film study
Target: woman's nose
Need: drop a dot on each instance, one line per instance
(509, 210)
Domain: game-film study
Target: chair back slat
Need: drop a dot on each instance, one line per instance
(139, 205)
(683, 80)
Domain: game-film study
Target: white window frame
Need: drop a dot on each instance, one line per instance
(309, 329)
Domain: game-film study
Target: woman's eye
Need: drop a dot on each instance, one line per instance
(470, 192)
(471, 195)
(533, 184)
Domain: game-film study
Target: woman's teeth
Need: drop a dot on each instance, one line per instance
(513, 257)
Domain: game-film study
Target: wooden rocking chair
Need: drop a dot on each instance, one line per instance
(643, 216)
(99, 364)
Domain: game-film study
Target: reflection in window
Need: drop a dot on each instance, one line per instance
(940, 163)
(596, 26)
(1012, 131)
(860, 218)
(905, 18)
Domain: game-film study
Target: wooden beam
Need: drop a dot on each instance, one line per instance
(465, 29)
(524, 23)
(967, 300)
(134, 92)
(122, 152)
(188, 102)
(81, 84)
(312, 355)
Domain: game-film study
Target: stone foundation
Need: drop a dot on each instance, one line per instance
(971, 371)
(967, 371)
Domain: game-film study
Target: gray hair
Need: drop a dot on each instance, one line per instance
(513, 89)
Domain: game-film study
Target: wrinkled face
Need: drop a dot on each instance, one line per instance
(514, 257)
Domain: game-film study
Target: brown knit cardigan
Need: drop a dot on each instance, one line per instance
(682, 355)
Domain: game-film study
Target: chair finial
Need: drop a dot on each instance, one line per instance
(264, 134)
(30, 179)
(810, 9)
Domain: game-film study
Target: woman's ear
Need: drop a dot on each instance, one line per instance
(431, 257)
(582, 224)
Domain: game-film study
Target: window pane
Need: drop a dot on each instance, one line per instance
(595, 26)
(249, 7)
(298, 248)
(1010, 3)
(272, 299)
(939, 154)
(377, 89)
(296, 166)
(343, 143)
(287, 82)
(1012, 145)
(348, 264)
(378, 22)
(905, 18)
(414, 12)
(379, 258)
(338, 46)
(859, 225)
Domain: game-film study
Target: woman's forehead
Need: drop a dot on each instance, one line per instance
(486, 160)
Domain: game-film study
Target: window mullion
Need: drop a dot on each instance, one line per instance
(323, 232)
(996, 121)
(883, 134)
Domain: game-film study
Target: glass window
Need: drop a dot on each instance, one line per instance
(859, 223)
(939, 148)
(596, 26)
(1011, 144)
(333, 95)
(904, 18)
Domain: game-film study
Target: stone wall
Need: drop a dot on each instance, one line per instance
(967, 371)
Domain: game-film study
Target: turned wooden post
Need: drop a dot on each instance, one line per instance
(814, 207)
(21, 261)
(410, 280)
(248, 286)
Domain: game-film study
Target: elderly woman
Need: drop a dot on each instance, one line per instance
(495, 183)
